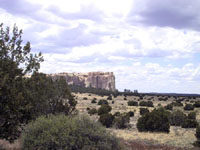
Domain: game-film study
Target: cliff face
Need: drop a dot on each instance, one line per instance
(102, 80)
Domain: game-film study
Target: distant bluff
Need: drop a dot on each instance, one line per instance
(101, 80)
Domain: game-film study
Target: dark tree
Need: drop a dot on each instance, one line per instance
(15, 62)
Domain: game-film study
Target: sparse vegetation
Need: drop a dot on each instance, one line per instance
(132, 103)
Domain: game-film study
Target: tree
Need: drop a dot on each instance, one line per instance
(15, 62)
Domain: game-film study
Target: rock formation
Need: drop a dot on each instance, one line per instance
(101, 80)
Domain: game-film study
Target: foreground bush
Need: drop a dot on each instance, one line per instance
(92, 111)
(197, 143)
(155, 121)
(102, 101)
(189, 107)
(67, 133)
(143, 111)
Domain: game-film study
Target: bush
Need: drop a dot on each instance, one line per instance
(147, 104)
(67, 133)
(117, 114)
(131, 113)
(94, 101)
(104, 109)
(125, 98)
(92, 111)
(155, 121)
(132, 103)
(121, 121)
(177, 118)
(197, 143)
(85, 98)
(197, 104)
(189, 107)
(102, 101)
(169, 107)
(177, 103)
(106, 120)
(109, 97)
(192, 115)
(189, 123)
(113, 102)
(143, 111)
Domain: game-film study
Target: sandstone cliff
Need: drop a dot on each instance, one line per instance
(101, 80)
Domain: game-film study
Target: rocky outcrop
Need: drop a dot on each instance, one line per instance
(101, 80)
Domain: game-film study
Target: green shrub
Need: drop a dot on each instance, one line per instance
(197, 143)
(106, 120)
(117, 113)
(85, 98)
(125, 98)
(189, 123)
(102, 101)
(92, 111)
(132, 103)
(146, 103)
(113, 102)
(121, 121)
(177, 103)
(67, 133)
(94, 101)
(189, 107)
(177, 118)
(197, 104)
(192, 115)
(169, 107)
(143, 111)
(104, 109)
(109, 97)
(131, 113)
(155, 121)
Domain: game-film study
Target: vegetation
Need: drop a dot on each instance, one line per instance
(102, 101)
(146, 103)
(143, 111)
(92, 111)
(132, 103)
(189, 107)
(67, 133)
(169, 107)
(106, 120)
(155, 121)
(15, 62)
(177, 118)
(121, 121)
(197, 143)
(104, 109)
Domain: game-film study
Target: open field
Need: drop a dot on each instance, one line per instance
(178, 137)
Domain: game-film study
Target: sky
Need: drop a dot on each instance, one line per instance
(150, 45)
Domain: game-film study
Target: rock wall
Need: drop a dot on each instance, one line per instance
(101, 80)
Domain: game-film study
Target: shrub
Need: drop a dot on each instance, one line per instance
(197, 143)
(169, 107)
(131, 113)
(109, 97)
(143, 111)
(104, 109)
(85, 98)
(132, 103)
(155, 121)
(106, 120)
(177, 118)
(94, 101)
(189, 107)
(92, 111)
(102, 101)
(147, 104)
(197, 104)
(189, 123)
(121, 121)
(178, 104)
(117, 114)
(113, 102)
(67, 133)
(125, 98)
(192, 115)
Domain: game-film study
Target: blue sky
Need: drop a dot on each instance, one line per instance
(150, 45)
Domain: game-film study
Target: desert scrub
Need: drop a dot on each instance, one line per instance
(155, 121)
(57, 132)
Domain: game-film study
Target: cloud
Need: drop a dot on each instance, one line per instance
(88, 12)
(179, 14)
